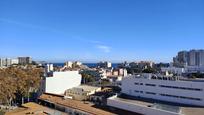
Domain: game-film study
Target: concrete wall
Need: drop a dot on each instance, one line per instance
(62, 81)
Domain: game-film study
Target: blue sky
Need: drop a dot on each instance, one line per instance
(94, 30)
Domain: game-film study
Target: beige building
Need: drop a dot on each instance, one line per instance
(81, 92)
(68, 64)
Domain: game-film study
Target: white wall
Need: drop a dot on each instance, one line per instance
(14, 61)
(62, 81)
(129, 87)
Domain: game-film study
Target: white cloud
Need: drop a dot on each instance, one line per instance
(104, 48)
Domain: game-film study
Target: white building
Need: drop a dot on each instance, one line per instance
(78, 63)
(8, 62)
(5, 62)
(108, 64)
(194, 69)
(1, 62)
(168, 89)
(142, 64)
(62, 81)
(14, 61)
(174, 70)
(49, 68)
(104, 64)
(68, 64)
(122, 72)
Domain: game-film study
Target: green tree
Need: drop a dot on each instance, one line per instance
(86, 78)
(149, 70)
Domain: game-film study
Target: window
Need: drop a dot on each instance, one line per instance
(136, 91)
(137, 83)
(167, 95)
(150, 85)
(151, 93)
(190, 98)
(184, 88)
(181, 97)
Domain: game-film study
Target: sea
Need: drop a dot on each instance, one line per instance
(91, 65)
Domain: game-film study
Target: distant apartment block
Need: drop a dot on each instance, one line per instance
(6, 62)
(24, 60)
(68, 64)
(49, 68)
(77, 63)
(116, 72)
(189, 58)
(142, 64)
(1, 62)
(14, 61)
(104, 64)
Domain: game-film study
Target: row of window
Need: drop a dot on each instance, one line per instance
(150, 85)
(145, 84)
(182, 97)
(174, 87)
(136, 91)
(138, 83)
(184, 88)
(152, 93)
(167, 95)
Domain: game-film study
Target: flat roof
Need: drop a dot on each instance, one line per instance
(186, 110)
(86, 87)
(192, 110)
(74, 104)
(131, 101)
(158, 106)
(33, 108)
(167, 78)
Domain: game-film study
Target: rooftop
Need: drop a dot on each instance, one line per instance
(74, 104)
(87, 87)
(192, 110)
(33, 108)
(184, 109)
(162, 77)
(164, 107)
